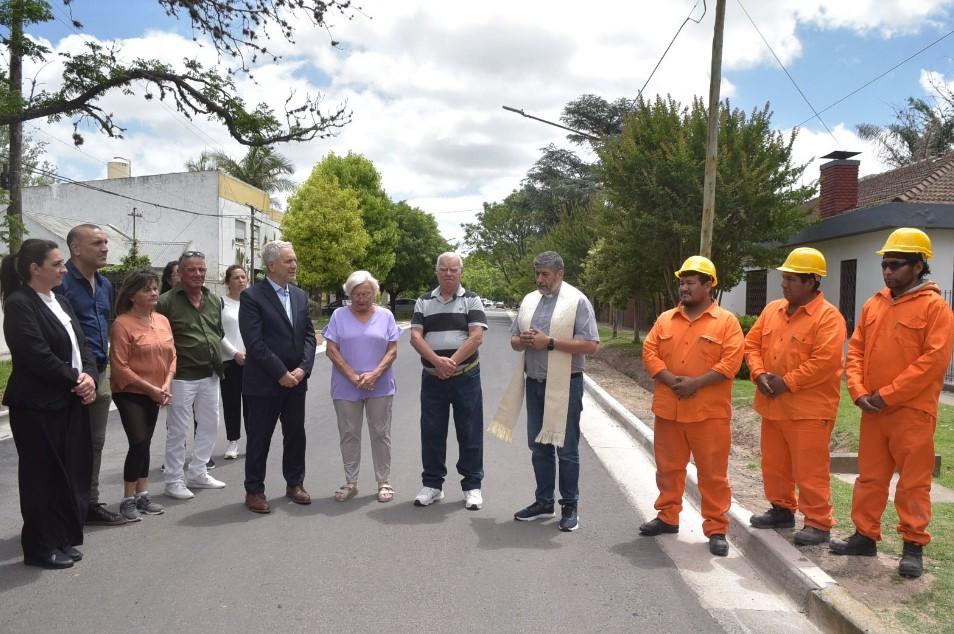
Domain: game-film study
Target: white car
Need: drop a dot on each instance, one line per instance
(499, 305)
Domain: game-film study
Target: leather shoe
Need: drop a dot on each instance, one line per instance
(55, 560)
(656, 527)
(298, 494)
(72, 553)
(257, 503)
(718, 545)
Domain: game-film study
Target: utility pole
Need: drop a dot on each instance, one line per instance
(251, 245)
(15, 210)
(135, 246)
(712, 144)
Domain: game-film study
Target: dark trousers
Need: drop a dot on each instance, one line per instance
(138, 414)
(55, 457)
(464, 394)
(544, 457)
(233, 404)
(263, 412)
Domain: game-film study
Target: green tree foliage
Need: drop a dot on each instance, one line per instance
(919, 131)
(323, 222)
(481, 276)
(357, 174)
(597, 116)
(653, 174)
(132, 261)
(36, 172)
(261, 167)
(419, 243)
(236, 29)
(506, 233)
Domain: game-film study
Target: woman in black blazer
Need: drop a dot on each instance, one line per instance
(52, 381)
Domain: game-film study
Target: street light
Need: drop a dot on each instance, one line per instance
(557, 125)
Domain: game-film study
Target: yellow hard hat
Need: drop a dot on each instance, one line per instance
(805, 260)
(908, 240)
(699, 264)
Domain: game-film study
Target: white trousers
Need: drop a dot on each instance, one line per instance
(191, 400)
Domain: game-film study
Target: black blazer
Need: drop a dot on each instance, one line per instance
(43, 376)
(272, 346)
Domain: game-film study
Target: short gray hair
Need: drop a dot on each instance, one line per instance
(548, 260)
(357, 279)
(449, 254)
(271, 250)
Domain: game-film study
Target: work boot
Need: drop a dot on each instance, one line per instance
(656, 527)
(857, 544)
(911, 564)
(775, 517)
(718, 545)
(810, 536)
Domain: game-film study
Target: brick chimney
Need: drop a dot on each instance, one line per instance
(839, 184)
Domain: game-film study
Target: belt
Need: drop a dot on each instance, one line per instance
(466, 368)
(574, 375)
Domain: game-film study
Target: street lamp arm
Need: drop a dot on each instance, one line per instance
(556, 125)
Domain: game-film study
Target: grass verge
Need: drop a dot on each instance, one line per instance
(624, 339)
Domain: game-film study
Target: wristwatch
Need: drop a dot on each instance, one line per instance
(551, 344)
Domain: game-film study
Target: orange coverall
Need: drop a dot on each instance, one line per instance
(900, 349)
(700, 424)
(806, 350)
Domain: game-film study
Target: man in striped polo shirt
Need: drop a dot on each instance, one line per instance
(446, 330)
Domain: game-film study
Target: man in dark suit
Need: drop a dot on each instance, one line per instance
(280, 352)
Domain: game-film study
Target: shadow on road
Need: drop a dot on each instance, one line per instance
(409, 515)
(643, 553)
(15, 574)
(513, 535)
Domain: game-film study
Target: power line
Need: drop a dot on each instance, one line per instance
(876, 78)
(788, 74)
(672, 41)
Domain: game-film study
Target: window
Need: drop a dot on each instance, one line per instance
(846, 301)
(240, 231)
(756, 291)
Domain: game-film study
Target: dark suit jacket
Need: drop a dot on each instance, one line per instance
(41, 351)
(272, 346)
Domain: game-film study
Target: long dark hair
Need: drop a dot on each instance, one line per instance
(166, 274)
(228, 272)
(15, 268)
(134, 282)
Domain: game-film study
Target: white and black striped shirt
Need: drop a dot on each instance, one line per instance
(446, 324)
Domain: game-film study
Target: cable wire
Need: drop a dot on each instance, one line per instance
(673, 40)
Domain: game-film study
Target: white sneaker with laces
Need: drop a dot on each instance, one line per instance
(428, 496)
(473, 500)
(231, 452)
(178, 491)
(206, 482)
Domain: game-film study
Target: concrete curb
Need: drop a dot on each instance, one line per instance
(828, 605)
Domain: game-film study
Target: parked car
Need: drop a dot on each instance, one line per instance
(338, 303)
(488, 303)
(500, 305)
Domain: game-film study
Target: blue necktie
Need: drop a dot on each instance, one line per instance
(286, 302)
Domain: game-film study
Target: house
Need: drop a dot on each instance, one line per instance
(856, 216)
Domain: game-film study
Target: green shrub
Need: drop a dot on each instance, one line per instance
(746, 322)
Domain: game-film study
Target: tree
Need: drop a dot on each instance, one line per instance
(558, 182)
(482, 277)
(920, 131)
(323, 221)
(419, 244)
(652, 174)
(236, 29)
(598, 117)
(261, 167)
(358, 174)
(36, 171)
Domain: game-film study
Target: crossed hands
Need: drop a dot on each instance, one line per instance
(85, 388)
(683, 386)
(444, 367)
(871, 403)
(292, 378)
(161, 395)
(364, 380)
(771, 385)
(535, 339)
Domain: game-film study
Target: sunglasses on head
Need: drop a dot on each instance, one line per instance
(193, 254)
(894, 265)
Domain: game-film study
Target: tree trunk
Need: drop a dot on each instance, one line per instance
(15, 210)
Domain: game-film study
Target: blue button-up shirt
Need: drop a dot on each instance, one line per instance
(283, 297)
(92, 310)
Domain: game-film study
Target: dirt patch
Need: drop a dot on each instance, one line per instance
(870, 579)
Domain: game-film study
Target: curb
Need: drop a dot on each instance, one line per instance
(828, 605)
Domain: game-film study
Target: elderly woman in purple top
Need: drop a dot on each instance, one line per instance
(362, 345)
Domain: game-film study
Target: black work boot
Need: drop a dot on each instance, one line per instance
(657, 527)
(857, 544)
(718, 545)
(809, 536)
(775, 517)
(911, 564)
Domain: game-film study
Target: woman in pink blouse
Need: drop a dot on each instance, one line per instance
(142, 356)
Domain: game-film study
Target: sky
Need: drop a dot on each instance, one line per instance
(425, 81)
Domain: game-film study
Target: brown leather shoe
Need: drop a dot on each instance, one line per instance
(256, 503)
(298, 494)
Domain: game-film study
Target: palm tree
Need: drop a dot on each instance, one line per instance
(920, 131)
(261, 167)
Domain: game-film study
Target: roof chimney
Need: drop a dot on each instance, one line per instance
(118, 168)
(839, 184)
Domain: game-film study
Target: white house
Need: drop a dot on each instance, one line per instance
(856, 218)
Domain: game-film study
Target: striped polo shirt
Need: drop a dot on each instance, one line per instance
(446, 324)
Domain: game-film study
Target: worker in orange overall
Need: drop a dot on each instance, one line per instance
(897, 357)
(693, 352)
(794, 353)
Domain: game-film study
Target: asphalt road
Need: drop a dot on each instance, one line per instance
(210, 565)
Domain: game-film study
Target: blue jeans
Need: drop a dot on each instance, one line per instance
(437, 397)
(544, 456)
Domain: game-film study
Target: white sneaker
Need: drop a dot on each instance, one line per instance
(231, 452)
(178, 491)
(428, 496)
(206, 482)
(473, 500)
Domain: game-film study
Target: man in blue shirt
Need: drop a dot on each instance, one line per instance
(91, 296)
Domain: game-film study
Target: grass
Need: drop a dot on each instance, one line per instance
(623, 340)
(5, 368)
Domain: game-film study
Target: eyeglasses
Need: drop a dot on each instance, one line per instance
(192, 254)
(894, 265)
(362, 295)
(445, 269)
